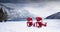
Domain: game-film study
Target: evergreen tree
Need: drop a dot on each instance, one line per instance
(3, 15)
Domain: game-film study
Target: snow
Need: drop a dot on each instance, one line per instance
(20, 26)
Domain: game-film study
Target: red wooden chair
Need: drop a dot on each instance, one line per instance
(39, 22)
(29, 22)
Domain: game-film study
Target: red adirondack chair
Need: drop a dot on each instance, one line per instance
(29, 22)
(39, 22)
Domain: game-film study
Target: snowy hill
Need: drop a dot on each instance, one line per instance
(54, 16)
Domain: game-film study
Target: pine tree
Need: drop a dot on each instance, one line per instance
(3, 15)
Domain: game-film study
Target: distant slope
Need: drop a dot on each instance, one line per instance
(54, 16)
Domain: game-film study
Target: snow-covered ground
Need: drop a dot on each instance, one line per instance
(20, 26)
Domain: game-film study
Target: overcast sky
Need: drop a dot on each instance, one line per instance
(24, 1)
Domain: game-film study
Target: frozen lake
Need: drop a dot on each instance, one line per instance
(20, 26)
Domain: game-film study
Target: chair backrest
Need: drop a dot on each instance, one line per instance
(29, 19)
(38, 18)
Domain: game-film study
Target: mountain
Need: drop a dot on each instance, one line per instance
(6, 7)
(22, 15)
(54, 16)
(16, 13)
